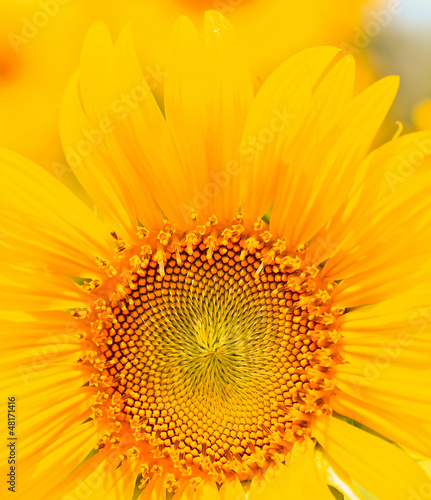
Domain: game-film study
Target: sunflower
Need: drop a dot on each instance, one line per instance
(176, 341)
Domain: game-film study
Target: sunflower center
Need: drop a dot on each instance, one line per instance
(218, 355)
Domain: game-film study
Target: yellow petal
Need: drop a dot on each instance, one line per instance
(42, 221)
(207, 491)
(228, 93)
(31, 289)
(101, 477)
(232, 491)
(397, 329)
(330, 98)
(394, 425)
(207, 85)
(328, 171)
(275, 117)
(334, 92)
(49, 471)
(382, 383)
(301, 479)
(184, 110)
(84, 128)
(380, 467)
(141, 144)
(385, 213)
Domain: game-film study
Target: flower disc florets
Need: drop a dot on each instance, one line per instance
(213, 351)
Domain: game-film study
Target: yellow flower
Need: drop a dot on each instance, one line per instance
(175, 341)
